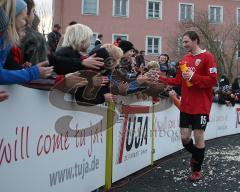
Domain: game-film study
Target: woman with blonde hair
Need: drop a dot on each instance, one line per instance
(8, 13)
(72, 56)
(78, 37)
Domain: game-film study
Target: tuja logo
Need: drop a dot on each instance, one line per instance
(127, 110)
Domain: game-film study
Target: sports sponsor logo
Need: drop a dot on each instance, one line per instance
(197, 62)
(213, 70)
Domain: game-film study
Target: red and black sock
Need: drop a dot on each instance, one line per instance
(198, 156)
(189, 147)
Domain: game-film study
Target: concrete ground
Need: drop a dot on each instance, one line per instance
(221, 171)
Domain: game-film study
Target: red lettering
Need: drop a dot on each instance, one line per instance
(90, 152)
(4, 153)
(10, 151)
(57, 142)
(50, 143)
(39, 153)
(101, 132)
(95, 138)
(27, 136)
(76, 137)
(82, 138)
(66, 145)
(15, 147)
(22, 132)
(47, 141)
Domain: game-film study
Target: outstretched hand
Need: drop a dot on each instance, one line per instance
(44, 70)
(100, 81)
(110, 97)
(93, 62)
(73, 80)
(3, 95)
(26, 64)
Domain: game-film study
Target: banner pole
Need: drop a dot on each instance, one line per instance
(109, 146)
(153, 133)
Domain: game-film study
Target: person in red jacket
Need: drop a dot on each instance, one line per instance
(196, 83)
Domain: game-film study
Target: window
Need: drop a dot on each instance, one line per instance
(154, 9)
(238, 16)
(122, 36)
(90, 7)
(186, 12)
(215, 14)
(153, 45)
(92, 44)
(121, 8)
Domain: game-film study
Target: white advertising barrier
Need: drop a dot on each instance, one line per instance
(131, 137)
(48, 143)
(167, 132)
(223, 121)
(44, 147)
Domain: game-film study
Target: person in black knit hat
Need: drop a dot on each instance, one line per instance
(127, 48)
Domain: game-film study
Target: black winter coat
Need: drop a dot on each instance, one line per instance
(66, 60)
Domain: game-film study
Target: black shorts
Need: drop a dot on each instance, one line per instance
(198, 121)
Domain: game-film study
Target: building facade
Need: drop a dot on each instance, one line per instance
(152, 25)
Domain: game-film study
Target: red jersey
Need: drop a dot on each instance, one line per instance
(197, 99)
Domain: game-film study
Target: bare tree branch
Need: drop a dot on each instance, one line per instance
(221, 40)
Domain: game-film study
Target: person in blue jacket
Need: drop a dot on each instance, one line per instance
(3, 27)
(8, 37)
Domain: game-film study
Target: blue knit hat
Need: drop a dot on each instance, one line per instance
(3, 20)
(20, 6)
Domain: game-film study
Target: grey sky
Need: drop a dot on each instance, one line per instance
(44, 3)
(44, 10)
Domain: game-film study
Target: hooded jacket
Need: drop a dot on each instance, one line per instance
(15, 76)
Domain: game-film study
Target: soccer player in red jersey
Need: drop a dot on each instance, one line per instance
(196, 98)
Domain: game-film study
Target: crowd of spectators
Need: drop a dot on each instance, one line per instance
(94, 77)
